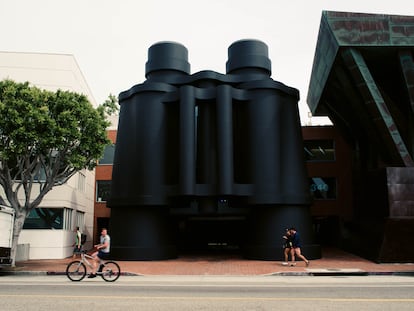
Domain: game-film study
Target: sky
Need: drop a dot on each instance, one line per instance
(110, 39)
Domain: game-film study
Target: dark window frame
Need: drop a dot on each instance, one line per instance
(103, 193)
(108, 155)
(45, 218)
(319, 150)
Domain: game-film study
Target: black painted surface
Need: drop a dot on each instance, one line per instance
(189, 141)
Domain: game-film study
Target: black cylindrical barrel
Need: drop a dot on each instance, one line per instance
(187, 141)
(224, 116)
(143, 156)
(276, 149)
(248, 56)
(266, 225)
(141, 233)
(140, 155)
(274, 162)
(166, 60)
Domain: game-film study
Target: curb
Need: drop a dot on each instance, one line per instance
(309, 273)
(356, 273)
(51, 273)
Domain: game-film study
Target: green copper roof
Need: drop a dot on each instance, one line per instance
(342, 29)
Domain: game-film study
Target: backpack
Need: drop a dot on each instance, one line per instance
(83, 238)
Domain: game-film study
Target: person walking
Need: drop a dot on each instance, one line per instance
(287, 248)
(78, 243)
(102, 253)
(296, 245)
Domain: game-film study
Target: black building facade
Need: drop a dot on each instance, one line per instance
(214, 155)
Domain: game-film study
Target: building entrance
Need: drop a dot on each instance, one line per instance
(203, 234)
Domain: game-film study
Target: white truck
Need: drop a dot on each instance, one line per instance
(6, 234)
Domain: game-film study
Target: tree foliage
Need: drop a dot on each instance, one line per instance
(45, 138)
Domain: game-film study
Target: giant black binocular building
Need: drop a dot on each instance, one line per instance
(190, 141)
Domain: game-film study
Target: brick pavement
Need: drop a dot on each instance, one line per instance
(333, 261)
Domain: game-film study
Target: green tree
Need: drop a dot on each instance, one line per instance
(45, 138)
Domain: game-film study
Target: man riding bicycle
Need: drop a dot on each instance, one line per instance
(102, 252)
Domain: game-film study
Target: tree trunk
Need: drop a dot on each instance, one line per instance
(19, 219)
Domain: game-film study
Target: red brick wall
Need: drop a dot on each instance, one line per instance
(102, 172)
(341, 169)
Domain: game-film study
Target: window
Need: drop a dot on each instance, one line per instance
(67, 219)
(81, 181)
(40, 176)
(108, 156)
(80, 220)
(50, 218)
(44, 218)
(319, 150)
(103, 190)
(323, 188)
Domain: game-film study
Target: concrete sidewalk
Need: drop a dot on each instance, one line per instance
(333, 262)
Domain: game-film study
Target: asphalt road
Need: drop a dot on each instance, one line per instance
(208, 293)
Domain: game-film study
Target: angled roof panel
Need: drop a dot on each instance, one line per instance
(344, 29)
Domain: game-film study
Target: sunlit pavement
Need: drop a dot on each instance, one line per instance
(333, 262)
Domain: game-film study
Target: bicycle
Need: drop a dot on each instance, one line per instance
(108, 270)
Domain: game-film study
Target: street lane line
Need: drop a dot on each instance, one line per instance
(216, 298)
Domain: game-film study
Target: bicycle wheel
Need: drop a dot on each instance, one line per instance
(110, 271)
(76, 270)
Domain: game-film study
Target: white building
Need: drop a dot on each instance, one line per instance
(72, 204)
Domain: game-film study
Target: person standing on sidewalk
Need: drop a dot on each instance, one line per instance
(78, 243)
(296, 245)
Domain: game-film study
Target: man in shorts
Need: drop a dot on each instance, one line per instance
(296, 244)
(102, 252)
